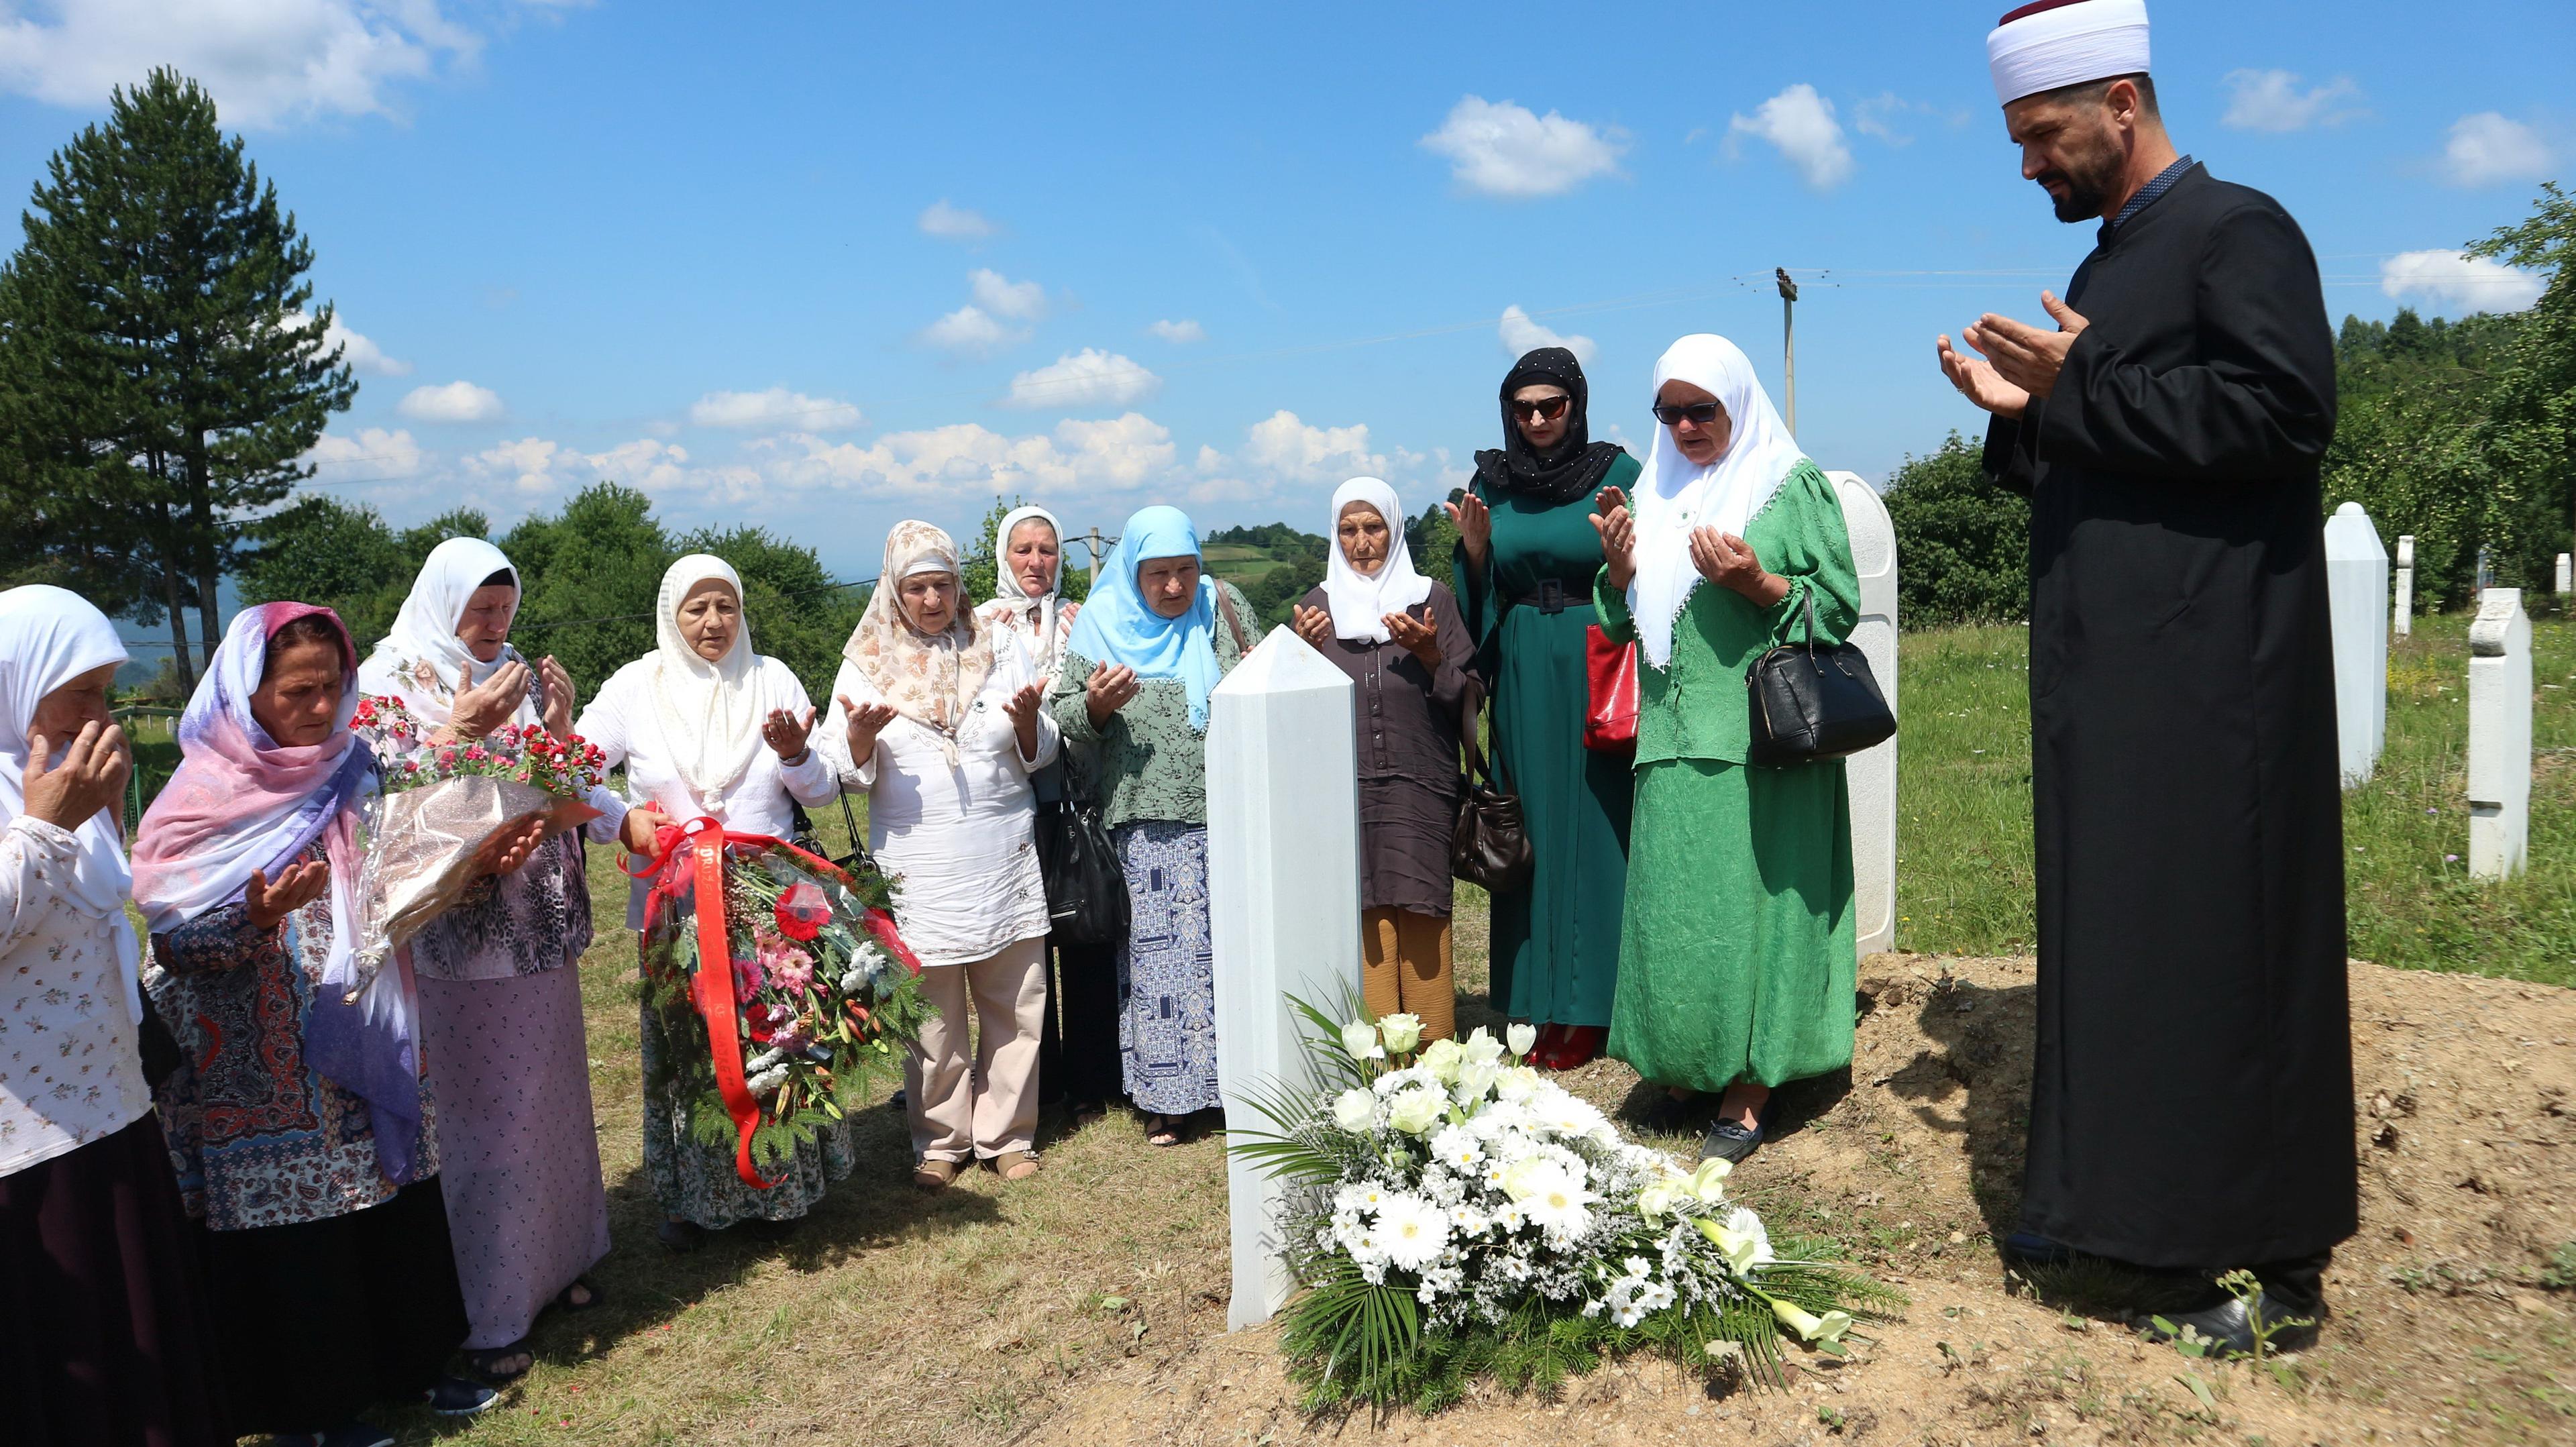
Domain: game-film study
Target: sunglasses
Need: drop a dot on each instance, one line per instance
(1550, 408)
(1702, 413)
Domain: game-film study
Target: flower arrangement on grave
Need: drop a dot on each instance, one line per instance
(1456, 1216)
(781, 982)
(440, 804)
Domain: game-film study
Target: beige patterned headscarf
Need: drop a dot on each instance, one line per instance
(931, 679)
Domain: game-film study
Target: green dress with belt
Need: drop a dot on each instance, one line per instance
(1736, 955)
(1556, 942)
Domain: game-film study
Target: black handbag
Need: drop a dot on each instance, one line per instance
(801, 834)
(1086, 886)
(1812, 704)
(1490, 845)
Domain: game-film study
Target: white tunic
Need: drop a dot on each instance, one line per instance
(68, 1071)
(622, 721)
(957, 840)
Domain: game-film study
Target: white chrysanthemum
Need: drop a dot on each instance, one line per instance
(1744, 1223)
(1412, 1077)
(1412, 1232)
(1510, 1217)
(1457, 1148)
(1551, 1196)
(1467, 1221)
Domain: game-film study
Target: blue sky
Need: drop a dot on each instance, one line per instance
(824, 266)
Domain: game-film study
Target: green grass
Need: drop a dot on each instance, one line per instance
(1963, 840)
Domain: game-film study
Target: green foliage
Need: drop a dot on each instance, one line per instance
(983, 569)
(1433, 540)
(164, 377)
(1962, 543)
(322, 550)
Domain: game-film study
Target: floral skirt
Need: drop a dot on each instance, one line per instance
(698, 1184)
(1167, 970)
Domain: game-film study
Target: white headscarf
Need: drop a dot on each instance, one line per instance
(422, 658)
(1360, 602)
(710, 712)
(1040, 611)
(1676, 496)
(48, 637)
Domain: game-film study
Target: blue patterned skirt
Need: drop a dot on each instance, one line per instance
(1167, 970)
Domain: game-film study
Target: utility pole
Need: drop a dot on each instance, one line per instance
(1789, 339)
(1095, 557)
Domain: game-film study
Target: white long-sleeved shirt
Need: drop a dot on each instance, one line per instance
(622, 721)
(69, 1075)
(957, 839)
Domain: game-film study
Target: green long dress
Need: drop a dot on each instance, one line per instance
(1736, 956)
(1556, 943)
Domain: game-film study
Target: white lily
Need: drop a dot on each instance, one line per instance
(1828, 1328)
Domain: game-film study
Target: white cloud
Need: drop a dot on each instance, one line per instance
(267, 62)
(776, 407)
(1118, 454)
(1878, 116)
(954, 223)
(1502, 149)
(1088, 378)
(1179, 333)
(1019, 301)
(537, 466)
(1282, 444)
(2469, 283)
(970, 332)
(373, 455)
(355, 351)
(2486, 148)
(1519, 334)
(452, 402)
(2270, 100)
(1801, 124)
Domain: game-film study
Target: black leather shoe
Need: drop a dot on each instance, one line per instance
(2230, 1331)
(1726, 1141)
(2029, 1248)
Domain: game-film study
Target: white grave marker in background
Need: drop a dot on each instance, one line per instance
(1284, 906)
(2402, 617)
(2564, 563)
(2357, 604)
(1871, 775)
(2499, 736)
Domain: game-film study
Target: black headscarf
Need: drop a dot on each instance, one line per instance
(1574, 467)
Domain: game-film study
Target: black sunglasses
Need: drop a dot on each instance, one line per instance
(1550, 408)
(1702, 413)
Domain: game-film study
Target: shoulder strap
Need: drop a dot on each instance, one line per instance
(1226, 608)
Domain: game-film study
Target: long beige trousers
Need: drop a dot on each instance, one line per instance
(983, 1107)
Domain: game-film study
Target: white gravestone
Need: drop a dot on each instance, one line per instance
(1283, 905)
(2401, 618)
(2499, 736)
(2357, 606)
(1871, 774)
(2565, 562)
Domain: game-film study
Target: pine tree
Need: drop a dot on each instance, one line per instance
(172, 376)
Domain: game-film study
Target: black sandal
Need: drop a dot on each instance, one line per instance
(563, 1299)
(485, 1362)
(1163, 1130)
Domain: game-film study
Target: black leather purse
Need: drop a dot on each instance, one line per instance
(1490, 845)
(1812, 704)
(1086, 886)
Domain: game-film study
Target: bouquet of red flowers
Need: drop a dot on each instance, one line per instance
(783, 990)
(439, 806)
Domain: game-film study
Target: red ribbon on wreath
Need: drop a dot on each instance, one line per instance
(699, 870)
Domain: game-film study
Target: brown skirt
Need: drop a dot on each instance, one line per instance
(105, 1340)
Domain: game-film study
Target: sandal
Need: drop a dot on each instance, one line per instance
(595, 1297)
(1162, 1130)
(1016, 1165)
(457, 1397)
(485, 1362)
(934, 1175)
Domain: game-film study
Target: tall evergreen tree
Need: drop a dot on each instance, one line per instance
(174, 377)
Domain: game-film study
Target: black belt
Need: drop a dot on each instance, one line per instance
(1550, 597)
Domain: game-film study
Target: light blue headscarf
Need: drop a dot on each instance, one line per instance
(1117, 625)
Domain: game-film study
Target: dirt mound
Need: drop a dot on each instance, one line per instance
(2449, 1322)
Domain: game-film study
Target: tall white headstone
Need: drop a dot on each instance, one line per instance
(2401, 618)
(2499, 736)
(1283, 903)
(2357, 603)
(1871, 775)
(2566, 565)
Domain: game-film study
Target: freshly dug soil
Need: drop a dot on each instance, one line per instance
(2449, 1321)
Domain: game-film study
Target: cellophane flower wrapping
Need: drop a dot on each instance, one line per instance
(827, 1001)
(439, 804)
(1457, 1215)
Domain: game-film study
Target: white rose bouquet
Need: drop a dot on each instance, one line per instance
(1464, 1217)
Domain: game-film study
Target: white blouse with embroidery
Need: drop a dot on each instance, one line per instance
(69, 1074)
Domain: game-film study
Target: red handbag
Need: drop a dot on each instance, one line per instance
(1610, 720)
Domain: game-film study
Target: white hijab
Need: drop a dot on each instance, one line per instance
(48, 637)
(1360, 602)
(1675, 496)
(1040, 611)
(422, 658)
(710, 712)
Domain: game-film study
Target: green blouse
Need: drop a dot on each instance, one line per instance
(1147, 763)
(1695, 708)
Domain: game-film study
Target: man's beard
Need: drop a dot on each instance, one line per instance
(2088, 183)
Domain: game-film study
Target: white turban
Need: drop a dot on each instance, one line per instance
(2066, 42)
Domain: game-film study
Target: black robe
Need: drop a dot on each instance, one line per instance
(2191, 1096)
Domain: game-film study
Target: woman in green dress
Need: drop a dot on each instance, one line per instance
(1736, 955)
(1524, 566)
